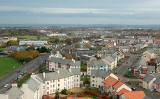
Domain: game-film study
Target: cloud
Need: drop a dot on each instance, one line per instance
(45, 10)
(57, 10)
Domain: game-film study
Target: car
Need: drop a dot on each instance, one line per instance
(20, 76)
(133, 89)
(6, 85)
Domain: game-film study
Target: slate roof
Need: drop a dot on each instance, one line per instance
(63, 73)
(32, 84)
(65, 61)
(14, 93)
(75, 71)
(96, 63)
(148, 77)
(100, 73)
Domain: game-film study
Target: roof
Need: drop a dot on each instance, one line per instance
(14, 93)
(75, 71)
(148, 78)
(100, 73)
(96, 63)
(118, 84)
(110, 81)
(65, 61)
(61, 73)
(122, 91)
(135, 95)
(79, 98)
(32, 84)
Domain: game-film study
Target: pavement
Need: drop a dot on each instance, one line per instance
(30, 66)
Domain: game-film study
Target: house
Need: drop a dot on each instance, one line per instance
(13, 93)
(148, 81)
(97, 78)
(59, 80)
(114, 87)
(56, 61)
(96, 65)
(32, 89)
(110, 61)
(151, 82)
(133, 95)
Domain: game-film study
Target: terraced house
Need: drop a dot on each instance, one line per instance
(106, 64)
(57, 61)
(45, 84)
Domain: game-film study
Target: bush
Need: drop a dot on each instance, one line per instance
(129, 75)
(64, 91)
(57, 95)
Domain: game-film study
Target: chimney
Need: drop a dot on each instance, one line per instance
(44, 75)
(58, 71)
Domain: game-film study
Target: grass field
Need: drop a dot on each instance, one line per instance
(7, 64)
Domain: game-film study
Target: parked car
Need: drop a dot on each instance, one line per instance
(6, 85)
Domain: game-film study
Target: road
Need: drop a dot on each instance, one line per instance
(124, 68)
(26, 67)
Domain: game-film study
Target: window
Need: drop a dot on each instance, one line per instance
(58, 84)
(59, 65)
(68, 66)
(93, 85)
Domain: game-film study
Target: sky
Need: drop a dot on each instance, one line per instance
(131, 12)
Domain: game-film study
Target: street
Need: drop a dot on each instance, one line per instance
(124, 67)
(32, 65)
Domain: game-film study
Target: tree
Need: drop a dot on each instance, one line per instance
(68, 41)
(56, 40)
(43, 50)
(57, 95)
(25, 56)
(67, 56)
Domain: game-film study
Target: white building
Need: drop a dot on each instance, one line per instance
(33, 43)
(97, 78)
(59, 80)
(56, 61)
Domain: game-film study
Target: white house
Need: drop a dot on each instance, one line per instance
(97, 78)
(58, 81)
(56, 61)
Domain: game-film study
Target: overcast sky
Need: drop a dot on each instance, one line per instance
(79, 11)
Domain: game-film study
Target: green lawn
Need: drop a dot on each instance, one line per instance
(7, 64)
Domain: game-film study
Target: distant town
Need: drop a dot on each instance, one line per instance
(79, 62)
